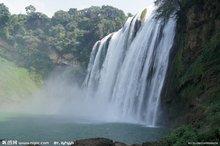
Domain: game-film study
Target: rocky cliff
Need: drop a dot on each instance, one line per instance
(192, 92)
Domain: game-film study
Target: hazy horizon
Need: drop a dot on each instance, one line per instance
(48, 7)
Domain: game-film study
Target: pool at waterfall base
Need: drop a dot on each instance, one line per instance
(51, 128)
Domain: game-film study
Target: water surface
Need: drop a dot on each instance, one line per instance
(56, 128)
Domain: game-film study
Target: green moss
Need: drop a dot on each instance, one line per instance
(178, 64)
(198, 82)
(143, 14)
(192, 97)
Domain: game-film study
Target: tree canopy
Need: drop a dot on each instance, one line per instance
(40, 42)
(4, 15)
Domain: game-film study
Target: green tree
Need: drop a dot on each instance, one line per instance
(37, 20)
(4, 15)
(30, 9)
(35, 36)
(61, 17)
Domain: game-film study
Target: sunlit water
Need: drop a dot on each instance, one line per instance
(54, 128)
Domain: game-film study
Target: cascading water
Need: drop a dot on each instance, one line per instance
(127, 69)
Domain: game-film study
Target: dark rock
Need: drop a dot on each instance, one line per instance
(100, 142)
(119, 144)
(94, 142)
(153, 144)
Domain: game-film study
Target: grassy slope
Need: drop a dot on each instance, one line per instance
(15, 82)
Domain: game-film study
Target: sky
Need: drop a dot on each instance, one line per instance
(50, 6)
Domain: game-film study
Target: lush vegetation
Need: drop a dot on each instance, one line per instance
(38, 42)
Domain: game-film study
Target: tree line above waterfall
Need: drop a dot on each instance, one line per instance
(37, 42)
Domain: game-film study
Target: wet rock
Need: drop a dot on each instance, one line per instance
(94, 142)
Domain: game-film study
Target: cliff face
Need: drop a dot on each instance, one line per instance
(192, 92)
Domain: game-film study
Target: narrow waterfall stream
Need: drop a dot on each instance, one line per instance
(127, 69)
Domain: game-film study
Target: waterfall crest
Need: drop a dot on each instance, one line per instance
(127, 69)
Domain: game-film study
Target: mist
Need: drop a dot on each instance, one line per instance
(62, 95)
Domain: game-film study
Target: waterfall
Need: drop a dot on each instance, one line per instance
(127, 69)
